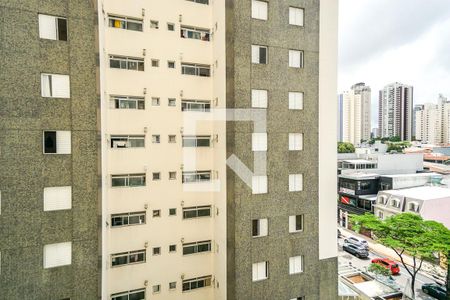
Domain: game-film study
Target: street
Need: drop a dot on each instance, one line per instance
(401, 279)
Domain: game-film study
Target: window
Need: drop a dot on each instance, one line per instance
(260, 271)
(127, 102)
(259, 184)
(295, 141)
(172, 248)
(128, 219)
(156, 250)
(155, 101)
(57, 142)
(55, 86)
(196, 70)
(259, 54)
(170, 26)
(259, 98)
(172, 285)
(128, 180)
(196, 247)
(172, 175)
(127, 141)
(172, 211)
(125, 23)
(56, 255)
(295, 100)
(171, 64)
(295, 182)
(156, 213)
(295, 59)
(413, 206)
(52, 28)
(196, 176)
(259, 141)
(196, 212)
(295, 264)
(130, 295)
(57, 198)
(380, 215)
(196, 141)
(155, 63)
(295, 223)
(299, 298)
(156, 288)
(172, 102)
(395, 203)
(259, 10)
(296, 16)
(196, 283)
(194, 33)
(382, 199)
(156, 176)
(156, 139)
(260, 227)
(154, 24)
(172, 138)
(195, 105)
(127, 258)
(128, 63)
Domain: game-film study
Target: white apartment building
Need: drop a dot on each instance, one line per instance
(178, 224)
(432, 122)
(395, 111)
(356, 118)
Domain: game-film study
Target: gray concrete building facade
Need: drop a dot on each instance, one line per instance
(48, 141)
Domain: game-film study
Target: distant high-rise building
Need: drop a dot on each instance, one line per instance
(417, 108)
(356, 114)
(339, 118)
(432, 122)
(395, 111)
(375, 133)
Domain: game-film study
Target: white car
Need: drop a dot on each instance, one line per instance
(357, 241)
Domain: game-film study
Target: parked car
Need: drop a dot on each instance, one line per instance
(357, 251)
(339, 234)
(388, 264)
(357, 241)
(435, 290)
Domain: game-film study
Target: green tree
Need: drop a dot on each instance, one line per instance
(379, 270)
(408, 234)
(394, 139)
(344, 147)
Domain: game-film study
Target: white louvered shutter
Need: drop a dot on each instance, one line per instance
(60, 86)
(47, 27)
(255, 54)
(63, 142)
(259, 98)
(263, 227)
(57, 198)
(45, 85)
(295, 100)
(292, 224)
(56, 255)
(259, 141)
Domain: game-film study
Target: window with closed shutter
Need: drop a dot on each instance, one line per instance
(259, 54)
(295, 141)
(295, 264)
(295, 100)
(260, 271)
(259, 141)
(52, 28)
(56, 255)
(55, 86)
(296, 16)
(57, 198)
(63, 142)
(295, 59)
(259, 10)
(259, 184)
(295, 223)
(259, 98)
(295, 182)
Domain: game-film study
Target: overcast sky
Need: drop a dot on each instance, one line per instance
(383, 41)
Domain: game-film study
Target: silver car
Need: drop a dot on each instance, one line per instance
(357, 242)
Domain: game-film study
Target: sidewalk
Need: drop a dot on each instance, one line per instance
(427, 268)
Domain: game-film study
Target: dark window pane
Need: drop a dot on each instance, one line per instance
(62, 29)
(194, 285)
(203, 142)
(186, 286)
(204, 247)
(50, 142)
(204, 72)
(200, 283)
(137, 296)
(134, 26)
(189, 214)
(120, 181)
(114, 63)
(120, 260)
(141, 66)
(204, 212)
(132, 65)
(141, 104)
(262, 55)
(117, 221)
(255, 229)
(188, 250)
(119, 297)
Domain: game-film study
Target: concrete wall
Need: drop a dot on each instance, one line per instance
(24, 227)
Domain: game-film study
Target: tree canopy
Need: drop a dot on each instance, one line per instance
(344, 147)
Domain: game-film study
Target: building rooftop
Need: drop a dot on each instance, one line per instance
(422, 192)
(359, 161)
(412, 175)
(359, 175)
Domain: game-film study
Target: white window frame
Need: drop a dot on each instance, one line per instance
(262, 227)
(293, 223)
(295, 141)
(295, 182)
(259, 98)
(296, 264)
(296, 58)
(296, 16)
(48, 27)
(128, 293)
(259, 141)
(256, 58)
(55, 86)
(296, 100)
(260, 271)
(259, 10)
(259, 185)
(57, 255)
